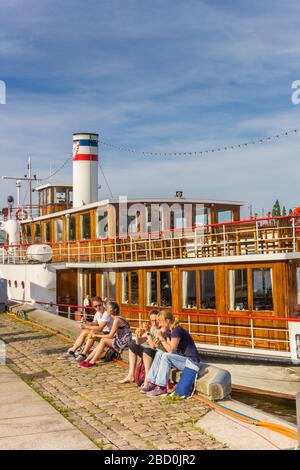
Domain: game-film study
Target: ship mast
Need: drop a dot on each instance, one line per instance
(29, 178)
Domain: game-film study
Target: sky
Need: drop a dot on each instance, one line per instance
(159, 75)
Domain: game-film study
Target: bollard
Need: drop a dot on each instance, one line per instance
(298, 416)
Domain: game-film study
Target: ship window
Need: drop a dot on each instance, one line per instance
(189, 296)
(104, 290)
(262, 289)
(130, 289)
(298, 286)
(58, 230)
(47, 232)
(132, 224)
(207, 289)
(102, 225)
(60, 196)
(125, 288)
(165, 289)
(151, 290)
(71, 228)
(224, 216)
(134, 288)
(238, 289)
(85, 226)
(108, 285)
(28, 233)
(112, 285)
(37, 233)
(93, 285)
(201, 216)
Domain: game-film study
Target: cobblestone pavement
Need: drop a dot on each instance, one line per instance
(114, 416)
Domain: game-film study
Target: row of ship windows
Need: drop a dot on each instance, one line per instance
(15, 284)
(198, 288)
(101, 226)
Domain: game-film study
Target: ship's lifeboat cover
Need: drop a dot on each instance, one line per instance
(39, 253)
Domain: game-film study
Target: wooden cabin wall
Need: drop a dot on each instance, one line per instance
(204, 329)
(291, 285)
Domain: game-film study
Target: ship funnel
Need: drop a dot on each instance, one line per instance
(85, 169)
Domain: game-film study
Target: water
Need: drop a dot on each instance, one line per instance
(282, 408)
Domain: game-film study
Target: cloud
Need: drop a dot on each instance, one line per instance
(154, 75)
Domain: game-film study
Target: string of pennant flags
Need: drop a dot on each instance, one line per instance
(202, 152)
(242, 145)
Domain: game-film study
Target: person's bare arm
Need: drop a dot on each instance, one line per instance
(113, 330)
(169, 345)
(140, 338)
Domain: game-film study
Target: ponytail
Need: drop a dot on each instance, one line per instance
(167, 315)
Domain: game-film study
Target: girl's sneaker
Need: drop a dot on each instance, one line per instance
(81, 358)
(86, 364)
(147, 388)
(157, 392)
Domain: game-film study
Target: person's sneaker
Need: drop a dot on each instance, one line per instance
(78, 351)
(81, 358)
(157, 392)
(147, 388)
(70, 354)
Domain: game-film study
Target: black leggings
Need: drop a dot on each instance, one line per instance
(139, 350)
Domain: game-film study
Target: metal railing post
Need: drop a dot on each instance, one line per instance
(195, 242)
(69, 313)
(219, 332)
(224, 240)
(140, 320)
(131, 249)
(257, 237)
(149, 247)
(294, 235)
(252, 334)
(189, 323)
(89, 250)
(78, 252)
(298, 416)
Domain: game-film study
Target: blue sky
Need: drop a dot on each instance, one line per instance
(158, 75)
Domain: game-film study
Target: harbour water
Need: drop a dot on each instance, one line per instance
(282, 408)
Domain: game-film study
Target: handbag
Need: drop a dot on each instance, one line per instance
(140, 373)
(111, 354)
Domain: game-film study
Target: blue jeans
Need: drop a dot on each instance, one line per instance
(162, 364)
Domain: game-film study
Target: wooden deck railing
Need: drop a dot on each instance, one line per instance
(259, 236)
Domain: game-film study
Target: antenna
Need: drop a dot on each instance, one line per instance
(29, 178)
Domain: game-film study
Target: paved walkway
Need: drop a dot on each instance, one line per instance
(114, 416)
(27, 422)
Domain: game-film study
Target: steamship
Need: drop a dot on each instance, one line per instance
(234, 284)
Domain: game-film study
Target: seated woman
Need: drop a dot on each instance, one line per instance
(102, 322)
(119, 337)
(182, 344)
(145, 351)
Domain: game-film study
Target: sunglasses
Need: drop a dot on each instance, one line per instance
(98, 305)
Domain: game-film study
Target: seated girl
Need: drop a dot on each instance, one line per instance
(180, 352)
(138, 348)
(119, 337)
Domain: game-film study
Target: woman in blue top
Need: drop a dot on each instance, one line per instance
(180, 352)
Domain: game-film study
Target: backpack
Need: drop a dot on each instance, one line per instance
(140, 373)
(187, 383)
(110, 355)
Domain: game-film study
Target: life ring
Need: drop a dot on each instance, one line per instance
(21, 214)
(296, 214)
